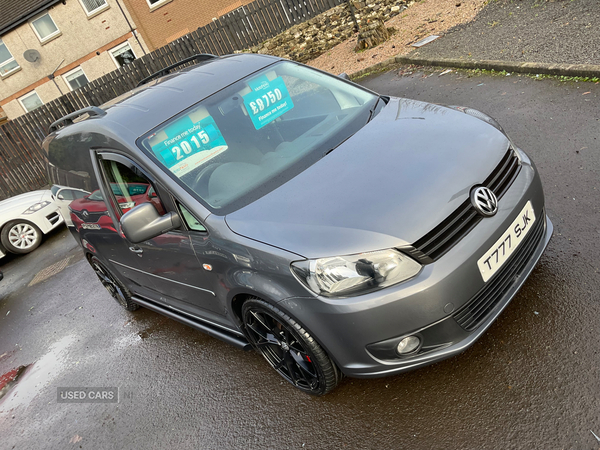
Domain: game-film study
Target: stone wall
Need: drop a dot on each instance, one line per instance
(314, 37)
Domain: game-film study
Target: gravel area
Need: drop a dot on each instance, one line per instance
(546, 31)
(421, 19)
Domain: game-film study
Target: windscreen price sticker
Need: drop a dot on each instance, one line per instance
(267, 101)
(189, 145)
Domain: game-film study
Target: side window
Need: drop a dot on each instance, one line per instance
(66, 194)
(130, 187)
(190, 220)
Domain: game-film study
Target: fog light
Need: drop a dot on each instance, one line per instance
(408, 344)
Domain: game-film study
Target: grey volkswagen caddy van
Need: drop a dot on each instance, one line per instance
(277, 207)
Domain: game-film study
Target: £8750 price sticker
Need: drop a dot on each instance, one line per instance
(269, 98)
(267, 101)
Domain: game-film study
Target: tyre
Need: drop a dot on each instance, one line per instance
(289, 348)
(112, 284)
(20, 237)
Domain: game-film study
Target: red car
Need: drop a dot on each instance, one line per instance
(90, 212)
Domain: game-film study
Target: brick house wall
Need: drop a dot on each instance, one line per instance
(161, 22)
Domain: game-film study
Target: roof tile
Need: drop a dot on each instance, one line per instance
(12, 12)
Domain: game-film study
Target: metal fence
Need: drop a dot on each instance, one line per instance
(22, 161)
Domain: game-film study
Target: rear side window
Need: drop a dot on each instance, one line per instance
(130, 187)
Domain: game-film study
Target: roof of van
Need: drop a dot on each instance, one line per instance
(142, 109)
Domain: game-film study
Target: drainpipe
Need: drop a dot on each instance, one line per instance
(52, 77)
(131, 27)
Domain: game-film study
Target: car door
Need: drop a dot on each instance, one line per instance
(167, 264)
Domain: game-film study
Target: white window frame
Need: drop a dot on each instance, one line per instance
(158, 4)
(65, 75)
(50, 36)
(119, 47)
(96, 11)
(11, 59)
(29, 94)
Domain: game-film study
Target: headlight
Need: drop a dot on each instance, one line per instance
(481, 116)
(523, 158)
(36, 207)
(342, 276)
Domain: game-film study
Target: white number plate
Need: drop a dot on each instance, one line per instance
(496, 256)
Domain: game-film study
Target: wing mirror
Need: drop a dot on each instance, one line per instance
(344, 76)
(143, 223)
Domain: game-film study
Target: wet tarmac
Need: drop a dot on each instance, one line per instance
(532, 381)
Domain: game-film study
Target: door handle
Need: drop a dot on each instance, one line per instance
(137, 250)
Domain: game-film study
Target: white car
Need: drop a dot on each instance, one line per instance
(24, 218)
(63, 196)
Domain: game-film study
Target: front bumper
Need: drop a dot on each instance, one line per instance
(428, 304)
(46, 219)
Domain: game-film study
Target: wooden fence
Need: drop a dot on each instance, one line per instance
(22, 160)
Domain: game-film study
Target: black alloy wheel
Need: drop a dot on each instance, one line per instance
(288, 348)
(114, 287)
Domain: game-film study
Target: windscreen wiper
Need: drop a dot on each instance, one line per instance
(368, 120)
(374, 108)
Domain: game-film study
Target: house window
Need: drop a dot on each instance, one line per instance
(122, 54)
(75, 78)
(153, 4)
(30, 101)
(7, 62)
(45, 28)
(92, 7)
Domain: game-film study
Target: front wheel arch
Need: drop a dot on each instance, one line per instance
(237, 302)
(324, 371)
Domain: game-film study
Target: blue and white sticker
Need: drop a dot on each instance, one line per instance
(189, 144)
(267, 101)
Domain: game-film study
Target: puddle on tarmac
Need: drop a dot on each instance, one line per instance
(33, 378)
(151, 330)
(128, 340)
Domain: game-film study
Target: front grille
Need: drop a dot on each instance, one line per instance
(456, 226)
(89, 217)
(472, 314)
(53, 218)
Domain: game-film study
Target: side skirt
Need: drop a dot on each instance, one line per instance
(237, 341)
